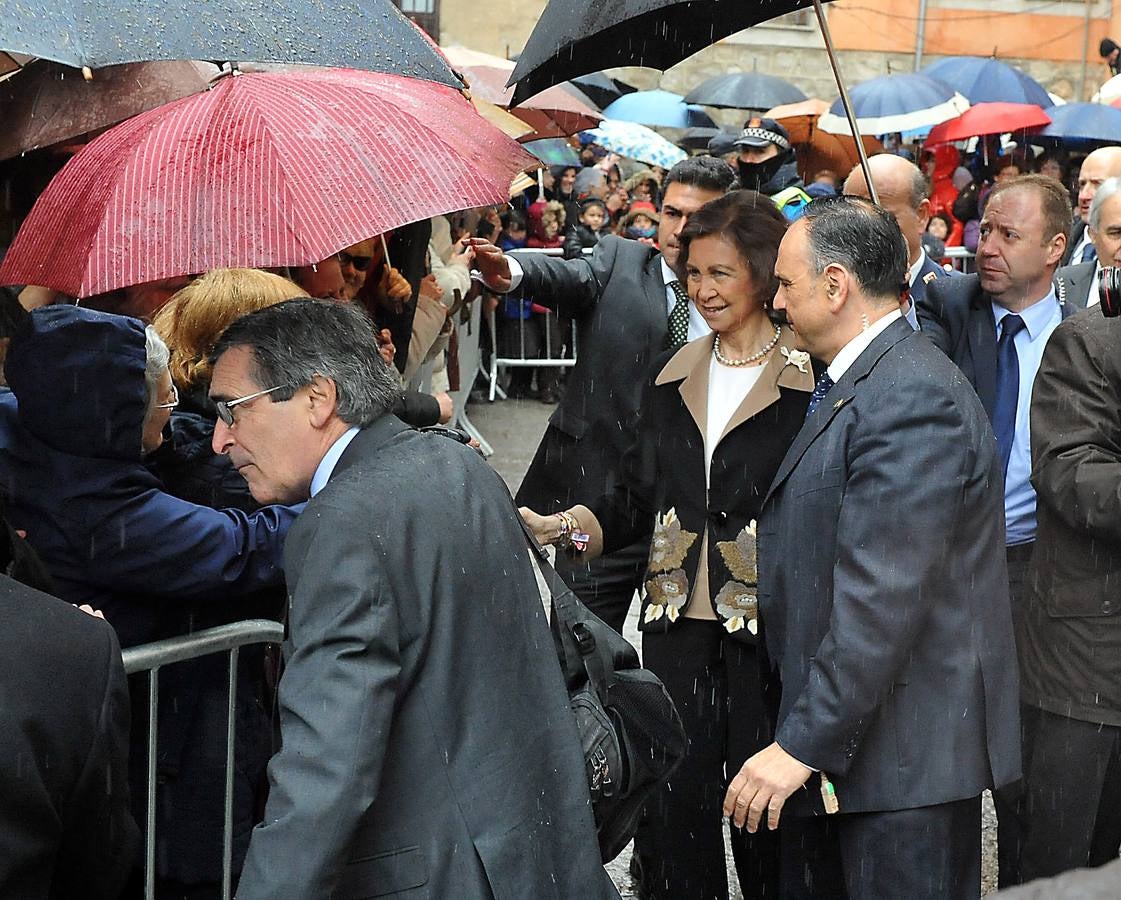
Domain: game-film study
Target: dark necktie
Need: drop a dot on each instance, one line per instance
(824, 383)
(678, 332)
(1007, 386)
(1089, 253)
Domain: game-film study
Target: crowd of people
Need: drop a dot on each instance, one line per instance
(867, 502)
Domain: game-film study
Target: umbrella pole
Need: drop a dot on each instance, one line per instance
(845, 101)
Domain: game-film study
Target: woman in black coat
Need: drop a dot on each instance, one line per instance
(716, 420)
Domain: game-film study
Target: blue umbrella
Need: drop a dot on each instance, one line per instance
(986, 80)
(658, 108)
(893, 103)
(635, 141)
(1080, 126)
(553, 152)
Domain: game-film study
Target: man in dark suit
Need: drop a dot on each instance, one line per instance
(883, 596)
(1103, 163)
(1082, 279)
(1070, 640)
(65, 824)
(628, 306)
(904, 192)
(995, 325)
(427, 744)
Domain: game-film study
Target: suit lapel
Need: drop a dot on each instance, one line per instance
(981, 334)
(838, 398)
(654, 286)
(777, 373)
(690, 366)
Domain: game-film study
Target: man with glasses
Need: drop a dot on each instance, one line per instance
(90, 395)
(416, 647)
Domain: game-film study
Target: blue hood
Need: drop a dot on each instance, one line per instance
(78, 376)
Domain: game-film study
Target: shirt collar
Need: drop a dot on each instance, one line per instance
(913, 272)
(330, 460)
(668, 275)
(849, 353)
(1036, 317)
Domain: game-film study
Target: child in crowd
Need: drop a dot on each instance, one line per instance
(513, 231)
(641, 222)
(934, 238)
(586, 233)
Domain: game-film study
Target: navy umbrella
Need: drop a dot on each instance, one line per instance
(890, 103)
(744, 90)
(356, 34)
(1080, 126)
(987, 80)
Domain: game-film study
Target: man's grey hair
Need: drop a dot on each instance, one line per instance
(294, 342)
(920, 187)
(1109, 188)
(156, 358)
(862, 238)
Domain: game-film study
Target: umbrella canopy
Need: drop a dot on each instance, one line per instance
(267, 169)
(1081, 126)
(636, 141)
(554, 152)
(896, 103)
(988, 80)
(816, 149)
(989, 118)
(1110, 92)
(744, 90)
(812, 107)
(574, 37)
(367, 34)
(49, 102)
(603, 90)
(658, 108)
(698, 138)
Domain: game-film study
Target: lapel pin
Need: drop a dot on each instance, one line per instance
(841, 402)
(929, 277)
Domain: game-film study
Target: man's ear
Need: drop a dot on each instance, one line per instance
(323, 400)
(923, 212)
(1056, 248)
(837, 282)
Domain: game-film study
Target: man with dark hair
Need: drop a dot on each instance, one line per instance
(882, 595)
(628, 306)
(995, 325)
(427, 742)
(904, 192)
(1111, 53)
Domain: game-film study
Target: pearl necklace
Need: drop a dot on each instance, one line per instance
(755, 357)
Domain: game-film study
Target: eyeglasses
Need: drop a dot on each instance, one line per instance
(173, 402)
(360, 263)
(225, 407)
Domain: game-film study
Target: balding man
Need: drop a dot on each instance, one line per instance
(904, 192)
(1103, 163)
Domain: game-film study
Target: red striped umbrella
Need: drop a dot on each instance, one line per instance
(268, 169)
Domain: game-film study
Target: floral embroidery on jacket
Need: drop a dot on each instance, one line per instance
(668, 593)
(739, 555)
(670, 543)
(739, 607)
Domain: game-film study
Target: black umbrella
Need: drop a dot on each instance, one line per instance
(574, 37)
(359, 34)
(602, 89)
(744, 90)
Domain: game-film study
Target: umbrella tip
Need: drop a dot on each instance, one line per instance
(87, 73)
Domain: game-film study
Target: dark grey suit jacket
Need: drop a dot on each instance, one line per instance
(1077, 230)
(428, 746)
(1077, 280)
(883, 587)
(618, 298)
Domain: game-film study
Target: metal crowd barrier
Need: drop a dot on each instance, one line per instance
(151, 658)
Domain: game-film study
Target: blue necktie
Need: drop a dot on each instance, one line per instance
(1007, 386)
(1089, 253)
(824, 383)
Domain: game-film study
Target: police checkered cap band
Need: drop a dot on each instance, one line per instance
(762, 134)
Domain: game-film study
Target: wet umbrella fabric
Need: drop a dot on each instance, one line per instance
(602, 89)
(989, 118)
(358, 34)
(1081, 126)
(987, 80)
(49, 102)
(744, 90)
(267, 169)
(896, 103)
(636, 141)
(554, 152)
(574, 37)
(658, 108)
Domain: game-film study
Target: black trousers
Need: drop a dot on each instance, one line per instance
(1008, 800)
(928, 853)
(1072, 799)
(714, 682)
(606, 585)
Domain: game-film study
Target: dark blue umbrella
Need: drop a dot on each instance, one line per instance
(893, 103)
(657, 108)
(357, 34)
(986, 80)
(1080, 126)
(744, 90)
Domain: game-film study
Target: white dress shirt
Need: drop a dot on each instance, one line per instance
(330, 459)
(848, 354)
(1092, 298)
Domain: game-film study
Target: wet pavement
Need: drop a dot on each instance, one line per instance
(514, 428)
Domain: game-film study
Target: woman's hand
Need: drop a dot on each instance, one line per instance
(545, 528)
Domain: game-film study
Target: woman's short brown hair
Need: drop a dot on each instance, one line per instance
(196, 315)
(751, 223)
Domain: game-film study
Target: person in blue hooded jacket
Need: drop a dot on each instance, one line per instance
(89, 397)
